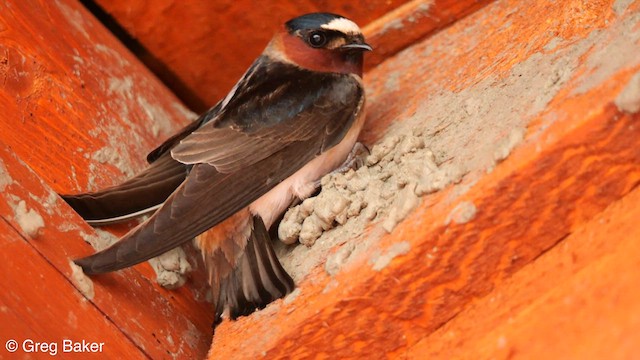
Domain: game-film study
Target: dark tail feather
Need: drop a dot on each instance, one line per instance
(136, 196)
(257, 279)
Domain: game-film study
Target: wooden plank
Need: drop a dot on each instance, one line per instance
(30, 312)
(188, 43)
(162, 323)
(578, 156)
(78, 108)
(412, 22)
(82, 112)
(579, 300)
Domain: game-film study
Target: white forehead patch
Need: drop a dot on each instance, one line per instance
(343, 25)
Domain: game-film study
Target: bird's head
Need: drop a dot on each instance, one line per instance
(320, 42)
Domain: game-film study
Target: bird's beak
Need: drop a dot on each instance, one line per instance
(357, 46)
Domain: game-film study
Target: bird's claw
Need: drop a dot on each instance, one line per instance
(355, 160)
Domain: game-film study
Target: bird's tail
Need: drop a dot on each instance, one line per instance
(137, 196)
(256, 279)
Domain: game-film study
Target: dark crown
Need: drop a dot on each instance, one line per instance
(310, 21)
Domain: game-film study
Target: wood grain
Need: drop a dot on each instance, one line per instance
(578, 300)
(130, 299)
(30, 311)
(78, 108)
(413, 22)
(82, 112)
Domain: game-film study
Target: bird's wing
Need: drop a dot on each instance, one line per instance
(220, 186)
(273, 105)
(137, 196)
(143, 193)
(156, 153)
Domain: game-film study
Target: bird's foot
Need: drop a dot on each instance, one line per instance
(356, 158)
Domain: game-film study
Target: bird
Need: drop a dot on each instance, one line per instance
(226, 178)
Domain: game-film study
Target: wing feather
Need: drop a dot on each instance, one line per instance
(285, 104)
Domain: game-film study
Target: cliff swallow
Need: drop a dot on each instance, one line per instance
(293, 117)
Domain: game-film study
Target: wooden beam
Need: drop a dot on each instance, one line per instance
(578, 300)
(79, 109)
(32, 314)
(80, 113)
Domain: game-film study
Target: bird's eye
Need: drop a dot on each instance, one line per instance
(317, 39)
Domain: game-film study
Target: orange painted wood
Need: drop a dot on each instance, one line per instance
(201, 48)
(412, 22)
(72, 97)
(563, 174)
(162, 323)
(577, 301)
(82, 113)
(38, 304)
